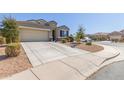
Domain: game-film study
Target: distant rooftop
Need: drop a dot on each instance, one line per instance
(101, 33)
(114, 33)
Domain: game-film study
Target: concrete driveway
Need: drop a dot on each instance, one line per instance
(44, 52)
(55, 61)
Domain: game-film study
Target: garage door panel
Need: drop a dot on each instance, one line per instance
(33, 36)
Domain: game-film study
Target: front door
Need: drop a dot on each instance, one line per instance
(53, 35)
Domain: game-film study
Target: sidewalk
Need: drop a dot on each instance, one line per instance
(69, 68)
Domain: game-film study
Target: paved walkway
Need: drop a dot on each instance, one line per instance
(60, 62)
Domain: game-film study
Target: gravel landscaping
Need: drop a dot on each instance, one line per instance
(91, 48)
(12, 65)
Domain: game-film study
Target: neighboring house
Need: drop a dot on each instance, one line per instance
(101, 36)
(41, 30)
(101, 33)
(122, 32)
(115, 35)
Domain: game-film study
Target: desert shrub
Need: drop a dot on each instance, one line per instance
(10, 30)
(78, 40)
(12, 50)
(63, 40)
(2, 40)
(89, 43)
(70, 39)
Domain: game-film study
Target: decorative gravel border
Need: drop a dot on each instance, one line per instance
(12, 65)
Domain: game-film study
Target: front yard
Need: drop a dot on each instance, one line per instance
(90, 48)
(12, 65)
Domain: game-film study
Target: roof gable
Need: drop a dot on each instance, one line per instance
(63, 27)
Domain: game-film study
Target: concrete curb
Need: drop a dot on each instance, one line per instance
(114, 53)
(117, 53)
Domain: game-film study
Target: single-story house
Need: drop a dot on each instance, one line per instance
(41, 30)
(100, 36)
(115, 35)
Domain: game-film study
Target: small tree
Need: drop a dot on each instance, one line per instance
(10, 30)
(80, 34)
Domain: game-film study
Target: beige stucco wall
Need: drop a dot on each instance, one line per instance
(116, 37)
(33, 35)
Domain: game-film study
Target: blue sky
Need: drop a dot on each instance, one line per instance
(93, 22)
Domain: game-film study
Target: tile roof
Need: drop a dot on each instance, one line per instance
(33, 24)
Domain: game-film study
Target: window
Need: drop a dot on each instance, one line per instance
(63, 33)
(60, 33)
(67, 33)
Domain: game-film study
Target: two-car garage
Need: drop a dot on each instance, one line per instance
(33, 35)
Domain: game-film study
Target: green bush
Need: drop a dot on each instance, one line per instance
(89, 43)
(10, 30)
(70, 39)
(78, 40)
(2, 40)
(12, 50)
(63, 40)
